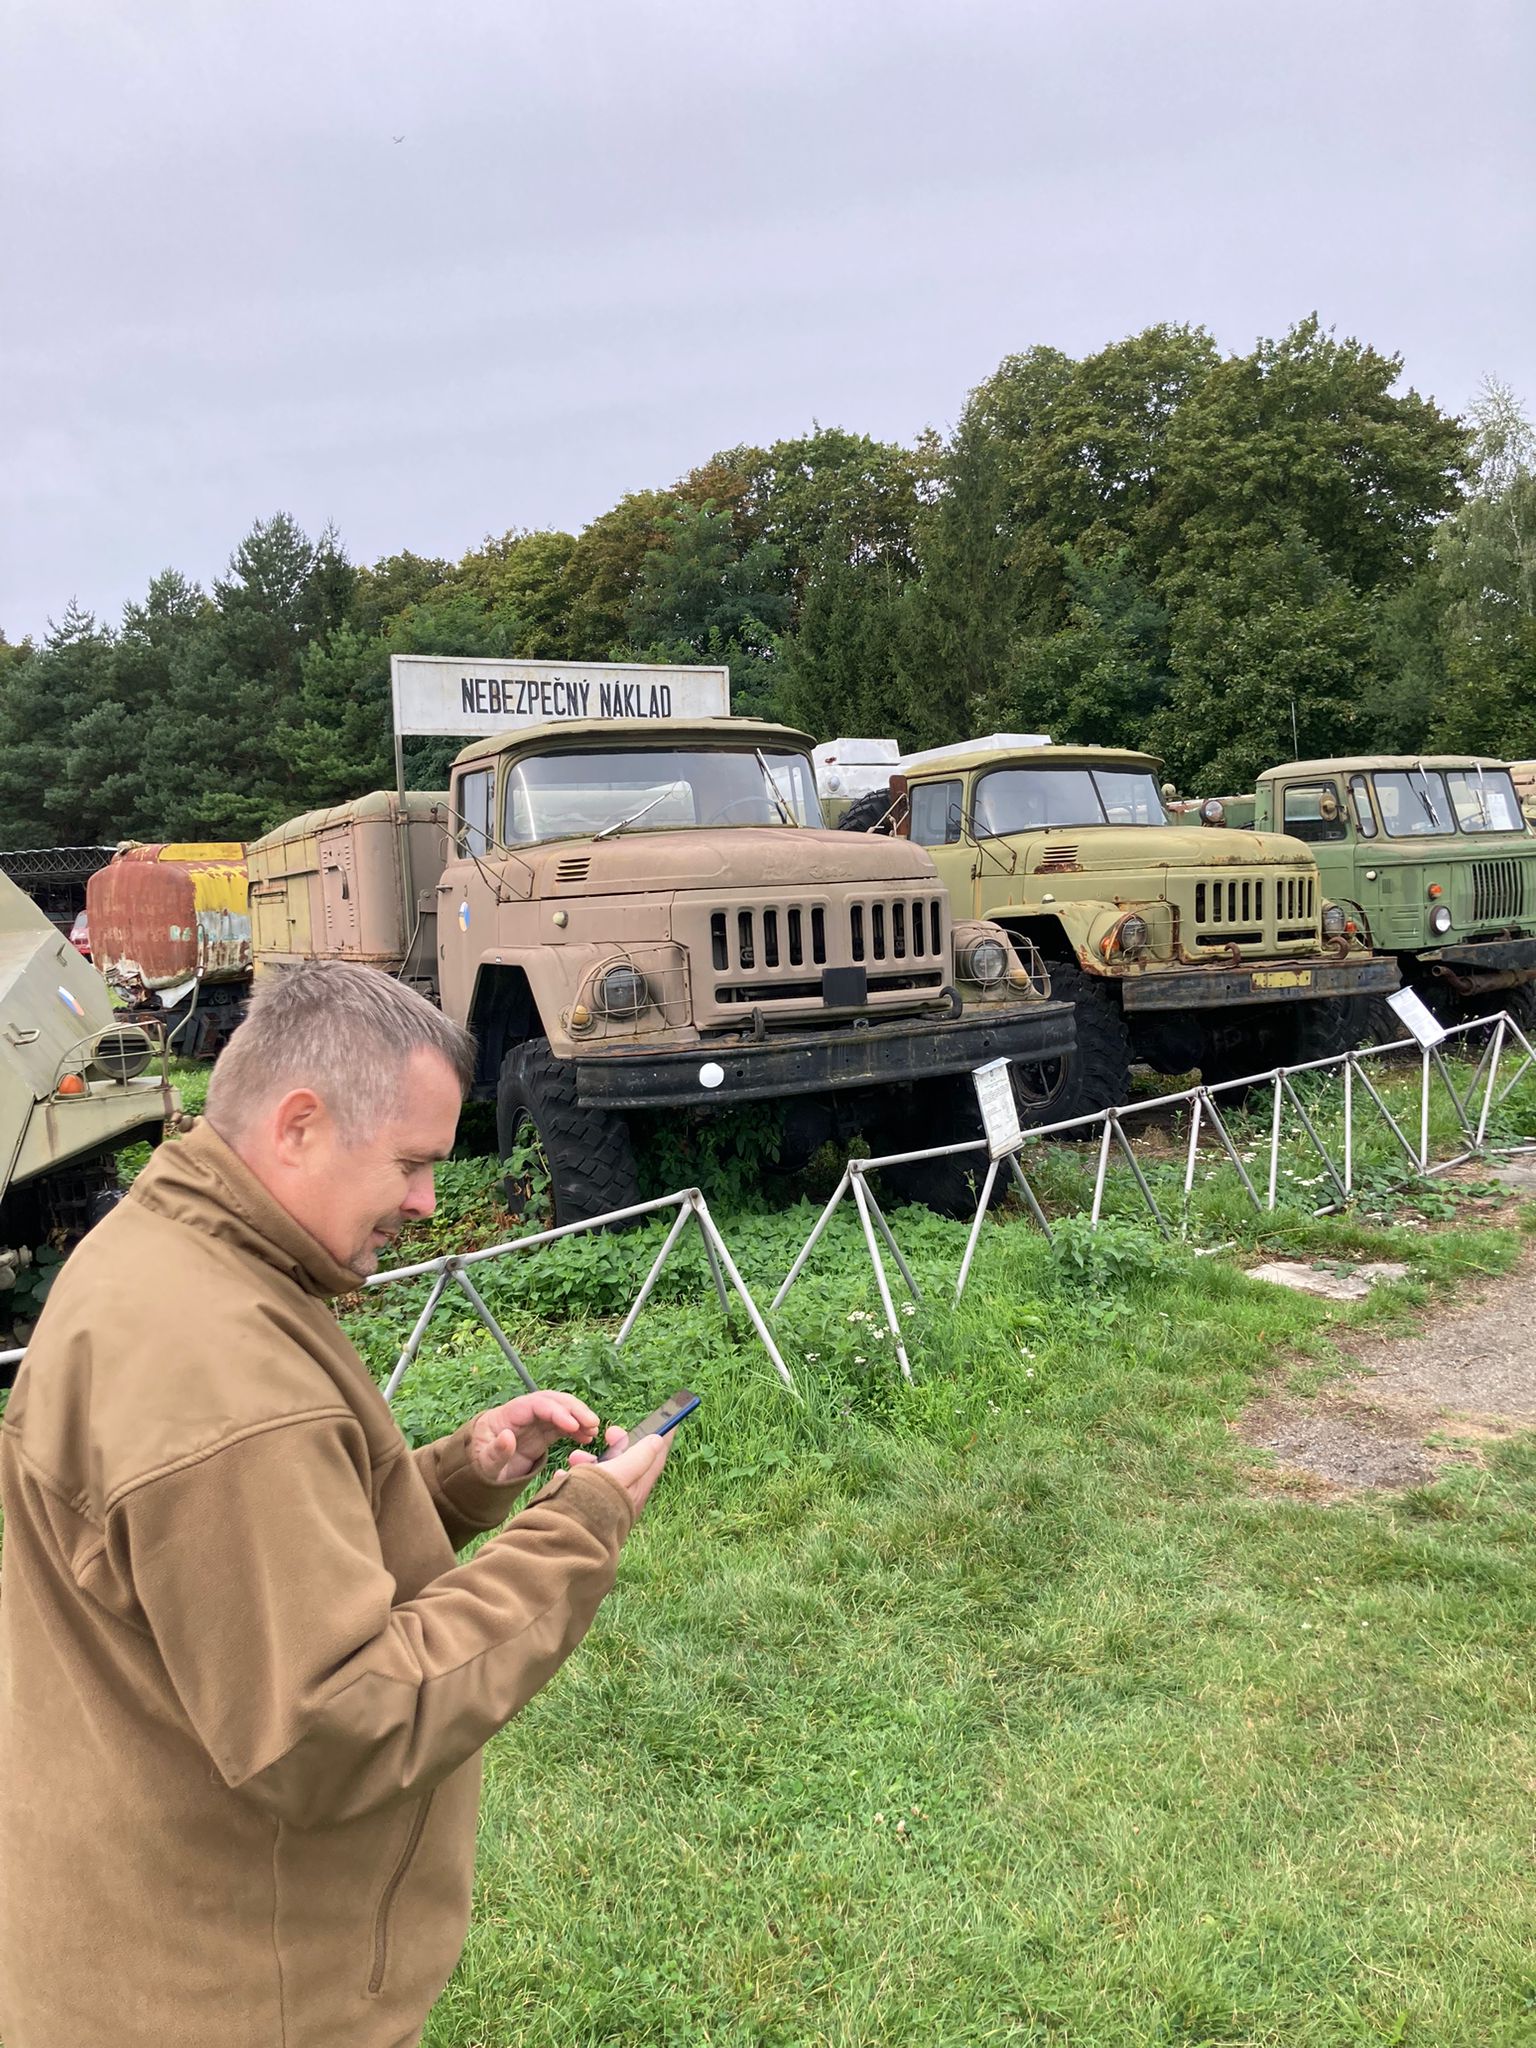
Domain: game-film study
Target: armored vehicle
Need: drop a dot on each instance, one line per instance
(1433, 859)
(1177, 946)
(639, 915)
(76, 1085)
(170, 929)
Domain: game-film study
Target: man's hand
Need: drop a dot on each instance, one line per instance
(508, 1443)
(636, 1466)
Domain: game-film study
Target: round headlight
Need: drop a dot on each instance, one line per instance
(620, 992)
(984, 961)
(121, 1054)
(1440, 919)
(1335, 921)
(1213, 811)
(1131, 934)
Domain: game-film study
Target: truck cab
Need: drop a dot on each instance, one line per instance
(1179, 947)
(1434, 859)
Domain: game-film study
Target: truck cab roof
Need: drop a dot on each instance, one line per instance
(1365, 764)
(622, 732)
(983, 754)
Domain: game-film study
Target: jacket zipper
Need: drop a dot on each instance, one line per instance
(386, 1902)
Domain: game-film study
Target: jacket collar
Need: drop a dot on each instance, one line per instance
(199, 1181)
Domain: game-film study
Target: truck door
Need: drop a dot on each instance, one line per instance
(1314, 811)
(338, 892)
(466, 897)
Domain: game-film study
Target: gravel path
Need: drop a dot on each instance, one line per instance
(1411, 1404)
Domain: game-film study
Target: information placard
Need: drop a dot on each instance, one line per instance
(1419, 1018)
(999, 1108)
(472, 694)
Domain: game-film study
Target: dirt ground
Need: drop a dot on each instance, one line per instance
(1407, 1406)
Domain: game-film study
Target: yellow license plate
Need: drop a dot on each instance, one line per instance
(1283, 977)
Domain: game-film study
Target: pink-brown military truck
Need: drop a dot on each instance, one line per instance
(637, 916)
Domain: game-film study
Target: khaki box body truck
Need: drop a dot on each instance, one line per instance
(645, 915)
(1178, 947)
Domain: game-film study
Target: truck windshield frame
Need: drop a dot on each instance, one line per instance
(585, 792)
(1484, 800)
(1040, 799)
(1458, 800)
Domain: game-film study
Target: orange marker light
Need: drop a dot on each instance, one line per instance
(72, 1084)
(1435, 889)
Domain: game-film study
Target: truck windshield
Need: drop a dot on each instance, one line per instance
(1041, 799)
(1484, 800)
(1413, 803)
(571, 795)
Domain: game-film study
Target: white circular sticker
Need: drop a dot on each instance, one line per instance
(711, 1074)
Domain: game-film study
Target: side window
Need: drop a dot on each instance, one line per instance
(1365, 817)
(474, 809)
(1313, 812)
(936, 813)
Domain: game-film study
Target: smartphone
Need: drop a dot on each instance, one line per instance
(662, 1419)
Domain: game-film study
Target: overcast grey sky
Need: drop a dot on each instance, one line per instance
(618, 236)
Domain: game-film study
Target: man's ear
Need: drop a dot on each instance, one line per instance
(298, 1119)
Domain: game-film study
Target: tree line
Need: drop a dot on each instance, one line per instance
(1225, 559)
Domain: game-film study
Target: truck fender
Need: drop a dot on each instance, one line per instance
(1047, 933)
(502, 1013)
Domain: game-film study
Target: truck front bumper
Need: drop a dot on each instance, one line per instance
(1491, 956)
(1225, 988)
(820, 1062)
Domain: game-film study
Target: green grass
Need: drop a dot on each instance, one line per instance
(1007, 1707)
(1004, 1707)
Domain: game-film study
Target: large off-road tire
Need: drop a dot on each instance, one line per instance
(1097, 1073)
(591, 1160)
(1253, 1040)
(941, 1112)
(865, 812)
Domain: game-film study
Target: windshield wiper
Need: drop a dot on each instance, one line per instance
(773, 787)
(609, 831)
(1429, 802)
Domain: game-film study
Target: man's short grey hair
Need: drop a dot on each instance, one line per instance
(343, 1030)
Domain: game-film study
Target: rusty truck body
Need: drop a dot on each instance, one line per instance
(170, 929)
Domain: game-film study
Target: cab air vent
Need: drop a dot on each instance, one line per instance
(573, 868)
(1057, 860)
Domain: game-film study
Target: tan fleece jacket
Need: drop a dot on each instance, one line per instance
(243, 1682)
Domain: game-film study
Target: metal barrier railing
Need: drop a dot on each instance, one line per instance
(1205, 1114)
(450, 1271)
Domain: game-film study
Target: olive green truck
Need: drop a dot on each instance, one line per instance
(1433, 859)
(1177, 947)
(76, 1085)
(645, 915)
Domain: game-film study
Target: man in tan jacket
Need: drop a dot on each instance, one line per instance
(244, 1684)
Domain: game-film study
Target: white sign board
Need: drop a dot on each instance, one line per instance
(1419, 1018)
(999, 1108)
(442, 693)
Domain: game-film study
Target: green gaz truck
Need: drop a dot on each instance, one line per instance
(1433, 860)
(1178, 947)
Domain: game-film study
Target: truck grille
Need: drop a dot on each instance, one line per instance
(784, 946)
(1497, 891)
(1255, 910)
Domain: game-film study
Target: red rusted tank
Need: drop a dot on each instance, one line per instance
(162, 916)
